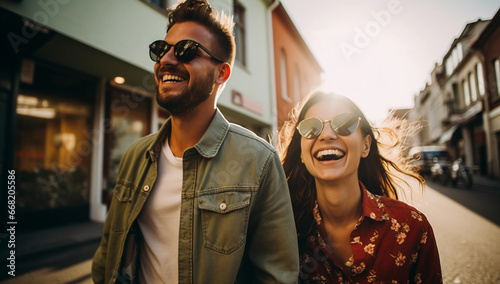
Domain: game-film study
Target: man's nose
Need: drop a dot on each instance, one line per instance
(169, 57)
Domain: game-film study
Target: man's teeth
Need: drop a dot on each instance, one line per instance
(172, 78)
(330, 154)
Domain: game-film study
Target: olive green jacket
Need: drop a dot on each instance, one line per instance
(236, 217)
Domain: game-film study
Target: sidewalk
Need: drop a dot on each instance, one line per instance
(39, 242)
(483, 182)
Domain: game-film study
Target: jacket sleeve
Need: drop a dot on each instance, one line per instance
(272, 248)
(99, 260)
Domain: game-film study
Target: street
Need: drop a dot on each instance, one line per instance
(466, 224)
(467, 228)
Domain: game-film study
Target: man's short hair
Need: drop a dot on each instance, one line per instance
(201, 12)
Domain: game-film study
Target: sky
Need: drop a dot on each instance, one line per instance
(380, 53)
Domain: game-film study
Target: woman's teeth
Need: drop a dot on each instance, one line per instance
(331, 154)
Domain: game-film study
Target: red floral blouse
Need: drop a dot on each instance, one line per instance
(392, 243)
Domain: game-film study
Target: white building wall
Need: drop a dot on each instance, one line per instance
(253, 81)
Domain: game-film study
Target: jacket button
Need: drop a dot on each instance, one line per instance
(146, 188)
(223, 206)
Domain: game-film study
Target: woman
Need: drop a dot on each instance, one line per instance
(351, 227)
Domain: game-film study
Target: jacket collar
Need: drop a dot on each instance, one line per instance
(209, 144)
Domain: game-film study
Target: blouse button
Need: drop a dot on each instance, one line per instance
(223, 206)
(146, 188)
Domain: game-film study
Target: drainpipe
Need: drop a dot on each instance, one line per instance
(274, 103)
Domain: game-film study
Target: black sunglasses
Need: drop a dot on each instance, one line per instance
(184, 50)
(343, 124)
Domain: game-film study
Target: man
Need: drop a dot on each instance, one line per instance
(202, 200)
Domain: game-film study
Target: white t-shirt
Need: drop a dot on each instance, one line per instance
(159, 222)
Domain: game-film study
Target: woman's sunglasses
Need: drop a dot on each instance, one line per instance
(343, 124)
(184, 50)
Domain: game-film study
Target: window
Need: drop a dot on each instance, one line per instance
(53, 146)
(128, 115)
(239, 32)
(162, 4)
(480, 79)
(456, 98)
(496, 71)
(465, 89)
(472, 84)
(284, 91)
(454, 58)
(460, 52)
(296, 85)
(449, 66)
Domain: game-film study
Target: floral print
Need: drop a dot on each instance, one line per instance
(391, 243)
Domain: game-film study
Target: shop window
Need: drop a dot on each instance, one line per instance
(53, 147)
(129, 118)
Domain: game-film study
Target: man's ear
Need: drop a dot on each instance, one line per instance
(224, 71)
(366, 146)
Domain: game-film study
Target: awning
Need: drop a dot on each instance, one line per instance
(446, 136)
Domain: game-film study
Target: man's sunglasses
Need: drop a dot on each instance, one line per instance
(184, 50)
(343, 124)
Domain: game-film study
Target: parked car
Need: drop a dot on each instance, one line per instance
(424, 157)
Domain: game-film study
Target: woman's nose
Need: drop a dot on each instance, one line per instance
(327, 133)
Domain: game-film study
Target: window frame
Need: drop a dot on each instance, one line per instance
(496, 76)
(283, 77)
(239, 13)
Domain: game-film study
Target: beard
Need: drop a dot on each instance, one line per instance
(189, 98)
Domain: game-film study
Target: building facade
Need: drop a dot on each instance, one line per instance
(455, 108)
(77, 87)
(488, 48)
(297, 72)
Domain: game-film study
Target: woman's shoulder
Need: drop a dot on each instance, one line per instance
(400, 210)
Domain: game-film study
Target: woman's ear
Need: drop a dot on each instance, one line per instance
(366, 146)
(224, 71)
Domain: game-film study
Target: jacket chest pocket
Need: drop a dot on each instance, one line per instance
(224, 217)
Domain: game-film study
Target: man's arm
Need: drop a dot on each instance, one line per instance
(272, 238)
(99, 260)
